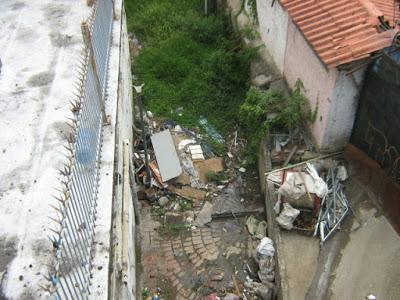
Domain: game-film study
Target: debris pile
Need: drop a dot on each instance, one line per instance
(291, 147)
(334, 205)
(195, 176)
(310, 196)
(185, 169)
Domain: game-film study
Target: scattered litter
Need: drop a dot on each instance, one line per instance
(294, 186)
(178, 128)
(156, 174)
(256, 228)
(204, 216)
(215, 164)
(287, 216)
(182, 144)
(166, 155)
(262, 80)
(320, 187)
(189, 217)
(265, 259)
(265, 293)
(163, 201)
(212, 296)
(191, 193)
(370, 297)
(242, 170)
(190, 170)
(149, 114)
(211, 131)
(275, 177)
(231, 297)
(230, 155)
(342, 173)
(266, 247)
(334, 206)
(196, 152)
(217, 275)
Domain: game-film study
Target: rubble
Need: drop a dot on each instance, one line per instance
(166, 155)
(207, 187)
(210, 130)
(334, 206)
(265, 257)
(262, 80)
(215, 164)
(256, 228)
(231, 297)
(204, 216)
(287, 216)
(163, 201)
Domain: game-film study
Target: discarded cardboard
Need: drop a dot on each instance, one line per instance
(183, 179)
(215, 164)
(156, 172)
(166, 155)
(191, 193)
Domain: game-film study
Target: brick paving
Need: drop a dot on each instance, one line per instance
(182, 264)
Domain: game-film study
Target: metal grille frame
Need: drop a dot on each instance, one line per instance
(70, 273)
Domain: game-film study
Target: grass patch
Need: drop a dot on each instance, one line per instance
(189, 61)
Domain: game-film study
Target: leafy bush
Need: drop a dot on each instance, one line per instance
(270, 109)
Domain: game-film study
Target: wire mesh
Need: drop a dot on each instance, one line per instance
(70, 274)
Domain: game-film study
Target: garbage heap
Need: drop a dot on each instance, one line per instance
(310, 193)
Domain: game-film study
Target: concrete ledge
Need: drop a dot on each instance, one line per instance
(274, 231)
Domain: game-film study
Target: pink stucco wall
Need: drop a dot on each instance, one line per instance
(319, 82)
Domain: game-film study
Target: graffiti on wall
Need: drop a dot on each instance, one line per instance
(385, 154)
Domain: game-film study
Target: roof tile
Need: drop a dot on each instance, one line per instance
(342, 31)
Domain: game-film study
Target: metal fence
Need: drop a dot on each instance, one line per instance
(76, 211)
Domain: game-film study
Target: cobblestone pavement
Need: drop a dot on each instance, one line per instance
(190, 263)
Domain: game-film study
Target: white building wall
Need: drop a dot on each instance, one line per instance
(334, 93)
(343, 109)
(301, 62)
(273, 22)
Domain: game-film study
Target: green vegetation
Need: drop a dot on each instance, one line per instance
(216, 177)
(265, 110)
(195, 65)
(189, 61)
(172, 230)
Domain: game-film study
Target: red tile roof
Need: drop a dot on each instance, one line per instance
(341, 31)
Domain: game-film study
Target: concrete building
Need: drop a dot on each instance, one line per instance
(66, 104)
(328, 45)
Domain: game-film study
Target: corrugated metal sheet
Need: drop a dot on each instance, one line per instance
(341, 31)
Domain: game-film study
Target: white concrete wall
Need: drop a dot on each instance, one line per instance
(335, 93)
(343, 109)
(273, 21)
(123, 270)
(319, 82)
